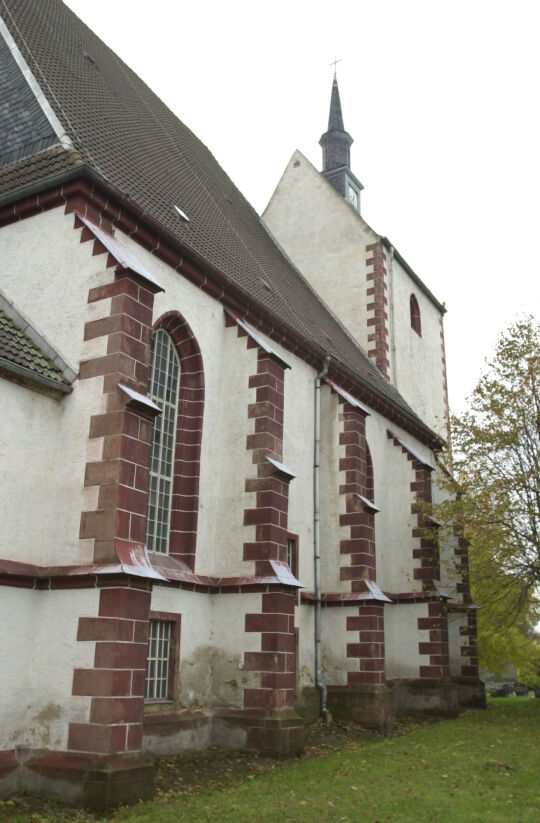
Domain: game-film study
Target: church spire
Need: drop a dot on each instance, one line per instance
(335, 118)
(336, 144)
(336, 141)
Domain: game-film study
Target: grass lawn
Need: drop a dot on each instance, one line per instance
(482, 766)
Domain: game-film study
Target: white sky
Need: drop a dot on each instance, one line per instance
(441, 99)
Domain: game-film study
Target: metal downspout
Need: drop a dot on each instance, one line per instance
(317, 536)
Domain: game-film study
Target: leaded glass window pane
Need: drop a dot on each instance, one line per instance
(163, 385)
(157, 664)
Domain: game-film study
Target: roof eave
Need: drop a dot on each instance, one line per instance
(238, 296)
(34, 377)
(412, 274)
(58, 179)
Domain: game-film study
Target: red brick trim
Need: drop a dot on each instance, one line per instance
(369, 649)
(437, 646)
(26, 575)
(95, 199)
(377, 307)
(470, 667)
(116, 681)
(461, 553)
(122, 474)
(427, 551)
(8, 763)
(275, 662)
(428, 570)
(167, 722)
(356, 464)
(189, 426)
(270, 515)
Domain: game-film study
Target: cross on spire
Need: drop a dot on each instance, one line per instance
(334, 64)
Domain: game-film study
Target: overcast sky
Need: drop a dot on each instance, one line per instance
(442, 102)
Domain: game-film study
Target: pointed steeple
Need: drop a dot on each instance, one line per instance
(336, 144)
(335, 118)
(336, 141)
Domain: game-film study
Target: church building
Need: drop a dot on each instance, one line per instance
(213, 461)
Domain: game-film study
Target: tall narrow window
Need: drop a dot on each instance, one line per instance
(416, 323)
(292, 553)
(370, 491)
(158, 660)
(163, 385)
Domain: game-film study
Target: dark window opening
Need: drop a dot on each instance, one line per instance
(416, 322)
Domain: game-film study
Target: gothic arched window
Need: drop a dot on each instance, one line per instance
(416, 322)
(163, 387)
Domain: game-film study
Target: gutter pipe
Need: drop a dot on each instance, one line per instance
(317, 534)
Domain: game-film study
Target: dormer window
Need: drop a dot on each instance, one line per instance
(416, 322)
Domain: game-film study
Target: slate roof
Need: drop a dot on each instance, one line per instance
(17, 349)
(126, 134)
(24, 128)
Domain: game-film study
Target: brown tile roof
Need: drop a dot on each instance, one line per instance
(18, 350)
(40, 166)
(127, 135)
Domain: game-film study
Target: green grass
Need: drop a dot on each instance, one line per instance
(483, 766)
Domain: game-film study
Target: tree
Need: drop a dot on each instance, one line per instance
(495, 499)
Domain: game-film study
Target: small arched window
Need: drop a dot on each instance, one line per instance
(416, 322)
(163, 387)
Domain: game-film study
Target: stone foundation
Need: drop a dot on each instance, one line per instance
(434, 697)
(471, 692)
(277, 734)
(96, 784)
(308, 704)
(369, 706)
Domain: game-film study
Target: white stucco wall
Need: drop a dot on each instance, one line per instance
(304, 621)
(325, 237)
(334, 639)
(52, 442)
(225, 462)
(51, 288)
(332, 504)
(212, 645)
(393, 475)
(401, 637)
(417, 365)
(39, 654)
(298, 457)
(450, 564)
(44, 443)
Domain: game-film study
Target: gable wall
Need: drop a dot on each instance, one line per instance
(363, 283)
(418, 366)
(326, 240)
